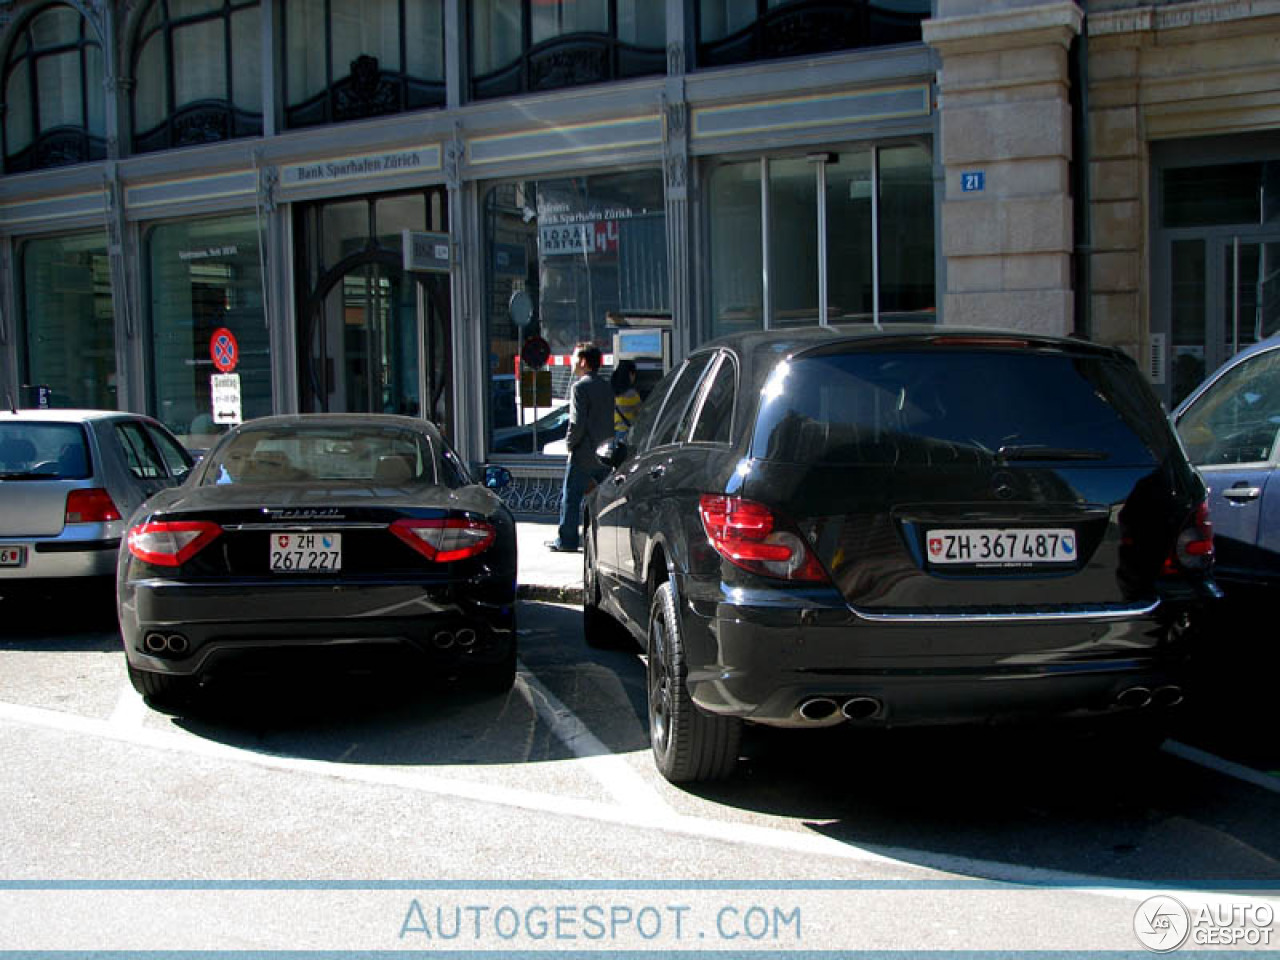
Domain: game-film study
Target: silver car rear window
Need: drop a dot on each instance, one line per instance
(55, 451)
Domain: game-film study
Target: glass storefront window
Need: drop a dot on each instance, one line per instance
(793, 242)
(202, 276)
(68, 322)
(588, 255)
(850, 292)
(905, 243)
(737, 251)
(897, 232)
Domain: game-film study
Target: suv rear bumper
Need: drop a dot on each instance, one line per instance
(764, 663)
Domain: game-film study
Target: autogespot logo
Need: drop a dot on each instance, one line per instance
(1162, 924)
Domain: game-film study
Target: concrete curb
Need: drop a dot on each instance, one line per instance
(549, 594)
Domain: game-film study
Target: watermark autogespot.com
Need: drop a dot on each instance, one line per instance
(601, 923)
(1163, 924)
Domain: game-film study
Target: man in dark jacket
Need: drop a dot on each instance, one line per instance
(590, 425)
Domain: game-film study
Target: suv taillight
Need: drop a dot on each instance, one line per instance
(91, 506)
(171, 544)
(1194, 549)
(751, 536)
(446, 539)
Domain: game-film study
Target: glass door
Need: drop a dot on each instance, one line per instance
(362, 353)
(1250, 306)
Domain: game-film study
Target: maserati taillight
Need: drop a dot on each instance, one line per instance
(446, 539)
(751, 536)
(171, 543)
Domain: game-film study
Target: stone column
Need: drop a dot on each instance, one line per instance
(1005, 114)
(1117, 204)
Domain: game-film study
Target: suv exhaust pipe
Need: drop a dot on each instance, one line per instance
(1134, 697)
(818, 709)
(861, 708)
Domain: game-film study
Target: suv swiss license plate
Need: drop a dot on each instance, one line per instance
(13, 556)
(306, 552)
(1001, 547)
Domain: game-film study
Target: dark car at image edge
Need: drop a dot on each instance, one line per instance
(895, 527)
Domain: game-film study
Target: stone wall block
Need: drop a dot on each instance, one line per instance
(1006, 131)
(1117, 225)
(988, 274)
(1006, 226)
(1116, 317)
(1116, 179)
(1114, 132)
(1115, 272)
(1046, 311)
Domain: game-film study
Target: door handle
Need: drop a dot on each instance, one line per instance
(1241, 493)
(657, 470)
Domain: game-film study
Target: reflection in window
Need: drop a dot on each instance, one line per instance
(54, 100)
(350, 59)
(740, 31)
(899, 236)
(737, 258)
(358, 325)
(204, 275)
(69, 326)
(1187, 310)
(590, 254)
(1222, 195)
(518, 46)
(197, 67)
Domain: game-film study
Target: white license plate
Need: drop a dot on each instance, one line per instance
(1001, 547)
(13, 556)
(306, 552)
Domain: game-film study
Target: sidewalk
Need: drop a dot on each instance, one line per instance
(543, 575)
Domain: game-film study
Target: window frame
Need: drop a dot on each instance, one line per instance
(348, 97)
(563, 61)
(62, 145)
(200, 121)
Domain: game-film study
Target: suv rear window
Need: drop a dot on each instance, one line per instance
(958, 406)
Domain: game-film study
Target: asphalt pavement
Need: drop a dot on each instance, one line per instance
(544, 574)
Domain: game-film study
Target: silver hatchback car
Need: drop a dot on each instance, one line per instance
(69, 480)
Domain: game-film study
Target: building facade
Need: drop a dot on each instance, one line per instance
(213, 209)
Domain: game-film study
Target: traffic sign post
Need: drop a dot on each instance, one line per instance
(224, 350)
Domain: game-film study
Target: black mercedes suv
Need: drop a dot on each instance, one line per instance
(898, 526)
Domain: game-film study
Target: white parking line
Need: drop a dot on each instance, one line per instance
(130, 708)
(1246, 774)
(614, 773)
(630, 815)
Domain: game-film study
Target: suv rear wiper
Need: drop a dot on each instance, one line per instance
(1039, 451)
(27, 475)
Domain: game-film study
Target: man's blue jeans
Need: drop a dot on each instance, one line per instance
(578, 479)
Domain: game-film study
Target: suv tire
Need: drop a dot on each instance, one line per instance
(163, 691)
(689, 745)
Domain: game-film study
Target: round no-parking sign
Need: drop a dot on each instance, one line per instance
(224, 349)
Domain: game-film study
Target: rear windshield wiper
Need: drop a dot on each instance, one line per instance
(1039, 451)
(26, 475)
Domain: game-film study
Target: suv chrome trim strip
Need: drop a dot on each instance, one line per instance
(1095, 614)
